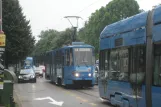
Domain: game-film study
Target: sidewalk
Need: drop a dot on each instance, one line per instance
(16, 99)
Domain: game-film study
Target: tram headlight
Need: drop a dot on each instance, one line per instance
(76, 74)
(89, 74)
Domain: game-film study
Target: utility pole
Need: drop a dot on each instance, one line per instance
(2, 49)
(0, 15)
(74, 27)
(2, 39)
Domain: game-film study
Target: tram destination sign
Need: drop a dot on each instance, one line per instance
(82, 49)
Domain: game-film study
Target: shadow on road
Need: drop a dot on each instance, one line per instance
(106, 103)
(73, 87)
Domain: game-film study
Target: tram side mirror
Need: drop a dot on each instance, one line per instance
(137, 78)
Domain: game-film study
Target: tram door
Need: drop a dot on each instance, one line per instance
(156, 84)
(68, 66)
(103, 73)
(137, 74)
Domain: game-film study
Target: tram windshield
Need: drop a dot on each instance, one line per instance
(83, 56)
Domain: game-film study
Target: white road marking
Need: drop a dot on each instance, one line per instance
(53, 101)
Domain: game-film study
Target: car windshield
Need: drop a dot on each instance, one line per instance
(42, 67)
(26, 71)
(83, 56)
(38, 69)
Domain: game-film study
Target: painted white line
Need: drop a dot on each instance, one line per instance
(53, 101)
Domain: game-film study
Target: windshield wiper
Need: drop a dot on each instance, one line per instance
(77, 63)
(84, 62)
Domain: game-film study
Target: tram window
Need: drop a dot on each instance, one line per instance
(137, 72)
(68, 58)
(57, 58)
(123, 65)
(101, 64)
(119, 65)
(141, 65)
(114, 65)
(61, 58)
(93, 57)
(157, 66)
(71, 56)
(100, 60)
(106, 61)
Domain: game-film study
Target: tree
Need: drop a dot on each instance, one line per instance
(45, 43)
(19, 39)
(52, 39)
(114, 11)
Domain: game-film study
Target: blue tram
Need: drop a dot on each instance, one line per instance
(130, 61)
(71, 65)
(28, 62)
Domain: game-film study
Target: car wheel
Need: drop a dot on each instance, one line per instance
(34, 81)
(42, 75)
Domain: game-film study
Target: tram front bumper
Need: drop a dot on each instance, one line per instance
(83, 82)
(79, 78)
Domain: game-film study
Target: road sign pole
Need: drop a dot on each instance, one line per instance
(2, 38)
(0, 15)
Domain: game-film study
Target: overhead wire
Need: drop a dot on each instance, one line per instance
(87, 7)
(80, 10)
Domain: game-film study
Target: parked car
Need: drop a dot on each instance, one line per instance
(27, 75)
(38, 71)
(42, 67)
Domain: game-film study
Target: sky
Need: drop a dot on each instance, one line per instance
(49, 14)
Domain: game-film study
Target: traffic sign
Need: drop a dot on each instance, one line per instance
(2, 39)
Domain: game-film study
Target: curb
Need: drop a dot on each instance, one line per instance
(16, 98)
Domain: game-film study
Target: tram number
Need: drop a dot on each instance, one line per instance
(82, 49)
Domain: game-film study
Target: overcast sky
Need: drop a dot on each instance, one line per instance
(48, 14)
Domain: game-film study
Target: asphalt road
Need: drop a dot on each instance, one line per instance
(45, 94)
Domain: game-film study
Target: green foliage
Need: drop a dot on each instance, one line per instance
(114, 11)
(52, 39)
(19, 39)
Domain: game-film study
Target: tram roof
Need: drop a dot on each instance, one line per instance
(130, 23)
(71, 46)
(29, 58)
(78, 46)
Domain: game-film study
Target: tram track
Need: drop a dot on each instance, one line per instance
(85, 90)
(88, 91)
